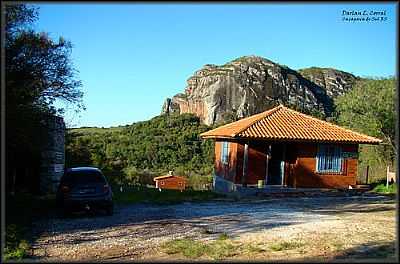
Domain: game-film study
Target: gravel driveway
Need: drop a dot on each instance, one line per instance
(136, 231)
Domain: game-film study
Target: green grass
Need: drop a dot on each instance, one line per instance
(223, 236)
(250, 248)
(190, 248)
(20, 211)
(16, 246)
(221, 249)
(286, 245)
(381, 188)
(145, 194)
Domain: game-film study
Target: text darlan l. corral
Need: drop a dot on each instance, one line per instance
(363, 13)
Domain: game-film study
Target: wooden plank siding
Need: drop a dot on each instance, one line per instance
(226, 171)
(305, 175)
(174, 183)
(300, 164)
(257, 162)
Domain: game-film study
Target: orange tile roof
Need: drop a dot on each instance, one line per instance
(282, 123)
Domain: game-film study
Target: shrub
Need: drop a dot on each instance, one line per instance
(382, 188)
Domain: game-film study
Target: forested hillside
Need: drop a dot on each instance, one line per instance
(135, 153)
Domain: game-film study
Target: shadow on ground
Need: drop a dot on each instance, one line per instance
(214, 217)
(370, 251)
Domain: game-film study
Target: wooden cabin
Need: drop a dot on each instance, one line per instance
(170, 181)
(283, 147)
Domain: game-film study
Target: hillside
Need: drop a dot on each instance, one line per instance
(156, 146)
(252, 84)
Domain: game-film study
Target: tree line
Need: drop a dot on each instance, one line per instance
(134, 154)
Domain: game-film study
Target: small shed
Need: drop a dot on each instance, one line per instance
(171, 181)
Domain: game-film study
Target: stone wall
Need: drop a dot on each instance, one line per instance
(52, 153)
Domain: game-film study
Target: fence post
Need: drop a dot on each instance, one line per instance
(366, 175)
(387, 176)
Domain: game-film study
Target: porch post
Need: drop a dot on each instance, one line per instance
(267, 163)
(284, 162)
(245, 161)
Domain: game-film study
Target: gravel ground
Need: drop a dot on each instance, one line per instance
(135, 232)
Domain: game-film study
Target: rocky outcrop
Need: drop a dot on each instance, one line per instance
(252, 84)
(335, 82)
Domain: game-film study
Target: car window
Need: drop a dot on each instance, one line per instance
(83, 177)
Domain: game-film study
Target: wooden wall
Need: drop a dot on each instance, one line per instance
(175, 183)
(257, 162)
(227, 171)
(300, 165)
(303, 171)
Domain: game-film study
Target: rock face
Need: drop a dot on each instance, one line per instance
(252, 84)
(335, 82)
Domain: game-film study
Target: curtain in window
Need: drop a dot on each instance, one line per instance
(329, 159)
(224, 152)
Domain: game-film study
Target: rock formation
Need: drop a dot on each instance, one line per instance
(252, 84)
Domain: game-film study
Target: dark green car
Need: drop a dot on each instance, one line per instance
(84, 188)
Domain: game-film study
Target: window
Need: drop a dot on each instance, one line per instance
(329, 159)
(224, 152)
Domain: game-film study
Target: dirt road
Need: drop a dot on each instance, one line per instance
(327, 227)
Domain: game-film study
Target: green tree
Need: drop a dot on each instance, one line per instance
(145, 149)
(38, 71)
(370, 108)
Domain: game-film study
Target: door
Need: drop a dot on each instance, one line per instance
(276, 165)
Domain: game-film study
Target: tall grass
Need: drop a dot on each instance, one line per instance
(135, 194)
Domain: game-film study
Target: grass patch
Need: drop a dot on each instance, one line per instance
(250, 248)
(286, 245)
(188, 247)
(382, 188)
(145, 194)
(21, 209)
(223, 236)
(221, 249)
(17, 246)
(193, 249)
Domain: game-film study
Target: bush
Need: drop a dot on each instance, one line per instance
(16, 247)
(382, 188)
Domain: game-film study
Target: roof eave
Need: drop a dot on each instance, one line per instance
(294, 140)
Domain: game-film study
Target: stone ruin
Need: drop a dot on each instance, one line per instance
(52, 153)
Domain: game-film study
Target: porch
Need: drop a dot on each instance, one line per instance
(221, 185)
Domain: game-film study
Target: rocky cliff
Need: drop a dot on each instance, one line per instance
(252, 84)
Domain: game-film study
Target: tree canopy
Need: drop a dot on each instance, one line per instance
(38, 68)
(370, 108)
(164, 143)
(38, 71)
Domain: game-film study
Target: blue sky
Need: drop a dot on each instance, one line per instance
(130, 57)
